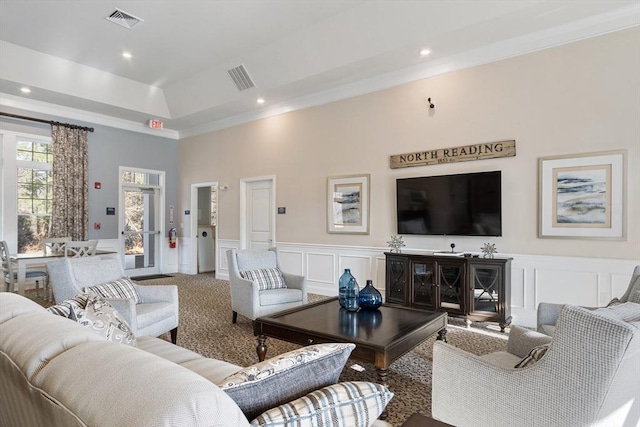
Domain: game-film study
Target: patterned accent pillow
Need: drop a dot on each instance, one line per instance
(286, 377)
(635, 296)
(266, 278)
(65, 307)
(613, 302)
(534, 356)
(121, 288)
(346, 404)
(102, 318)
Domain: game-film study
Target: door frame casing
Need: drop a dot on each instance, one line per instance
(243, 207)
(193, 225)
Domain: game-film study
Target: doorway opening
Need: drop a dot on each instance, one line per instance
(204, 227)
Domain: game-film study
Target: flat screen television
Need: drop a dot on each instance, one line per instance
(457, 205)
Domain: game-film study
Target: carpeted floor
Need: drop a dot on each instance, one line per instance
(206, 328)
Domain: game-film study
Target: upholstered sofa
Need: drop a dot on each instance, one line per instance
(56, 372)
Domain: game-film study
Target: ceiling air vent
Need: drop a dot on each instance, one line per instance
(124, 19)
(241, 78)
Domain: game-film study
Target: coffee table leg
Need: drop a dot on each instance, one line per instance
(261, 348)
(442, 335)
(382, 379)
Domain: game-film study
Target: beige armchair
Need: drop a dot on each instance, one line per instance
(247, 298)
(548, 312)
(589, 376)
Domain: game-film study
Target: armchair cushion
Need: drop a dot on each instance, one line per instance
(286, 377)
(346, 404)
(102, 318)
(265, 278)
(120, 288)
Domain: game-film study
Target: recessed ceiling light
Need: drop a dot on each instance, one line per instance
(127, 55)
(425, 52)
(25, 90)
(260, 101)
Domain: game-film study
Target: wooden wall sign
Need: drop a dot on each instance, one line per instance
(487, 150)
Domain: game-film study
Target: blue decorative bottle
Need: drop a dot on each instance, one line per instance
(342, 286)
(352, 295)
(370, 297)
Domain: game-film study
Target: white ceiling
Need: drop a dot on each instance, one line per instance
(298, 52)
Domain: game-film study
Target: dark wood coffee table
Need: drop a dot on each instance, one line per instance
(381, 336)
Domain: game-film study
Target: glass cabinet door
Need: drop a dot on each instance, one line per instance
(397, 280)
(486, 288)
(423, 284)
(451, 286)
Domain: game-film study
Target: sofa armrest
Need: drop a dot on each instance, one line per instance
(127, 309)
(522, 340)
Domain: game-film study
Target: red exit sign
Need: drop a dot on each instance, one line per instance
(155, 124)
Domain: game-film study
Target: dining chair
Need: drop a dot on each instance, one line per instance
(10, 276)
(55, 245)
(80, 248)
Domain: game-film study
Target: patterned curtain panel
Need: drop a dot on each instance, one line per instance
(70, 183)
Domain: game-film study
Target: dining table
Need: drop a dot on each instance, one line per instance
(23, 261)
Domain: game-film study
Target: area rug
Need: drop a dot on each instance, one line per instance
(206, 328)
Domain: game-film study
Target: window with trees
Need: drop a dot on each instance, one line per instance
(34, 192)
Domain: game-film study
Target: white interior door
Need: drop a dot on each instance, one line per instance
(259, 218)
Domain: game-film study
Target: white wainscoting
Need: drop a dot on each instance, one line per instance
(534, 278)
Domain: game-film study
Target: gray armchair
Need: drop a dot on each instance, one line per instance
(246, 296)
(155, 315)
(548, 312)
(590, 375)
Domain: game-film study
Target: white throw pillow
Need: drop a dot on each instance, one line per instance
(102, 318)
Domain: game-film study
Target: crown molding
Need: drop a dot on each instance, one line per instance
(617, 20)
(68, 113)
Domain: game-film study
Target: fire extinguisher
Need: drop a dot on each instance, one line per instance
(172, 238)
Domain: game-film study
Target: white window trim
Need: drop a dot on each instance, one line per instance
(9, 178)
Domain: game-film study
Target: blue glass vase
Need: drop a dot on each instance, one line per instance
(370, 298)
(352, 295)
(342, 286)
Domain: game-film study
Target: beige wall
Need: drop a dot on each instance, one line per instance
(576, 98)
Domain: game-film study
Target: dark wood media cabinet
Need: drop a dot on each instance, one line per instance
(478, 289)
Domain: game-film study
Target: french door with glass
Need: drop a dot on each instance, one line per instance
(140, 220)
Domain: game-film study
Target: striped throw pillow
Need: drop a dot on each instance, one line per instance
(65, 308)
(346, 404)
(121, 288)
(534, 356)
(265, 278)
